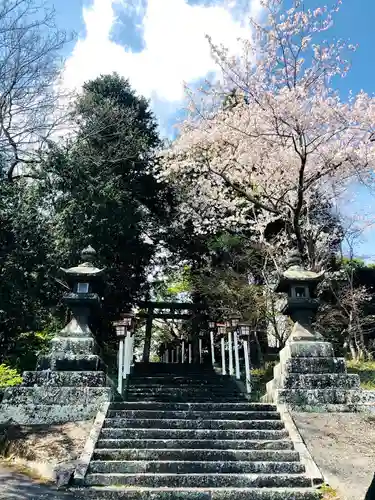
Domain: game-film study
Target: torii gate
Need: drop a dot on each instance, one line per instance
(169, 310)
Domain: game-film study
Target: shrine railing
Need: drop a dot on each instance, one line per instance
(228, 350)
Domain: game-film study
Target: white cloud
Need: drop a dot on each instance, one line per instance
(175, 49)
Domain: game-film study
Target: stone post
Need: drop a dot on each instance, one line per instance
(148, 335)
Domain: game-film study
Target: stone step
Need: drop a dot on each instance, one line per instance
(164, 367)
(212, 415)
(191, 444)
(196, 455)
(190, 467)
(199, 480)
(175, 390)
(131, 493)
(128, 433)
(178, 373)
(191, 406)
(214, 379)
(187, 395)
(321, 381)
(165, 398)
(192, 424)
(171, 385)
(315, 365)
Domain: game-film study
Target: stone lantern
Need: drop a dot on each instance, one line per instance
(84, 280)
(302, 303)
(308, 376)
(70, 382)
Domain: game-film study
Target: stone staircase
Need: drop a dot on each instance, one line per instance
(186, 433)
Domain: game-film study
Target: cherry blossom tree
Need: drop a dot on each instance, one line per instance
(273, 136)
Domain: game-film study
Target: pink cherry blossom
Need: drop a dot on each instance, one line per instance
(284, 135)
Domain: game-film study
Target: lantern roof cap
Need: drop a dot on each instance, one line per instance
(295, 273)
(87, 267)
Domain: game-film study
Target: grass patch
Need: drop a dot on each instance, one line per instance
(366, 372)
(328, 492)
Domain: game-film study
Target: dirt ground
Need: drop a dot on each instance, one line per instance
(43, 447)
(18, 486)
(343, 447)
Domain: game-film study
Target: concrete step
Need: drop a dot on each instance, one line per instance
(132, 433)
(131, 493)
(191, 406)
(194, 467)
(199, 480)
(196, 455)
(192, 424)
(191, 444)
(212, 415)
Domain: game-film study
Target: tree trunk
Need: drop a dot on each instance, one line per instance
(260, 357)
(363, 353)
(353, 350)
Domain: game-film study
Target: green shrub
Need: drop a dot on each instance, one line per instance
(259, 379)
(366, 372)
(9, 376)
(29, 346)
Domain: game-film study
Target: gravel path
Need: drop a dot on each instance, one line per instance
(343, 447)
(15, 486)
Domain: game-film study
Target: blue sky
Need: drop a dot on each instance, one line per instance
(159, 44)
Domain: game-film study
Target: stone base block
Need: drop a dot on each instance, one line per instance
(315, 365)
(306, 350)
(66, 379)
(46, 414)
(60, 361)
(317, 397)
(368, 397)
(309, 375)
(321, 381)
(325, 408)
(74, 345)
(54, 395)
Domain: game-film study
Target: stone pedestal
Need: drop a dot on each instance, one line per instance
(310, 377)
(70, 383)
